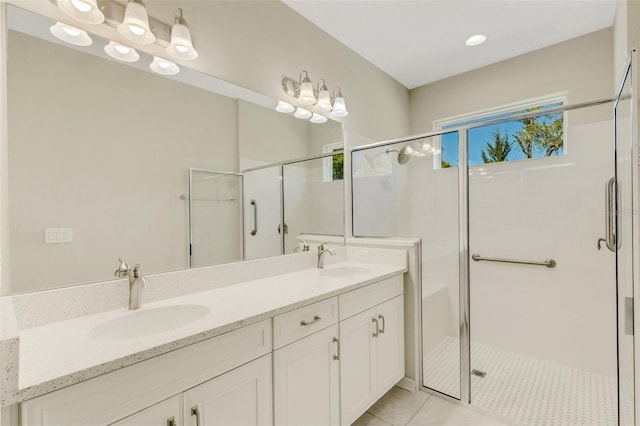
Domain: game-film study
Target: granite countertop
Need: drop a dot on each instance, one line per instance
(62, 353)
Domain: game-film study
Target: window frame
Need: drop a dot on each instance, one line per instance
(477, 117)
(327, 166)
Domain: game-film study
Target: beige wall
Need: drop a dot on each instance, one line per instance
(582, 66)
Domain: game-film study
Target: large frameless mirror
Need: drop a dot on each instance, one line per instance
(108, 159)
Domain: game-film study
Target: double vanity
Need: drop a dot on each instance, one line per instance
(270, 341)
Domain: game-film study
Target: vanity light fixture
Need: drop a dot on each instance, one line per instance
(476, 40)
(71, 35)
(339, 105)
(135, 26)
(83, 10)
(321, 98)
(285, 107)
(318, 119)
(164, 67)
(181, 46)
(121, 52)
(302, 113)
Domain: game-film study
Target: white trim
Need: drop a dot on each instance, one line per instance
(559, 97)
(327, 166)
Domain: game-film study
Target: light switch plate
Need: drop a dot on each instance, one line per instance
(58, 235)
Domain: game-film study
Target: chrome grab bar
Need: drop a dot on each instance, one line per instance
(254, 231)
(549, 263)
(610, 231)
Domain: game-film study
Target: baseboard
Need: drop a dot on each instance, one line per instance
(407, 384)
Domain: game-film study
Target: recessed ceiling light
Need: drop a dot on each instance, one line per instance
(476, 40)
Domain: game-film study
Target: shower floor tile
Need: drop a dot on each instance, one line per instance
(527, 390)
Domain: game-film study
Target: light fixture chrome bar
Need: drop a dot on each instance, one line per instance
(297, 160)
(463, 265)
(549, 263)
(513, 117)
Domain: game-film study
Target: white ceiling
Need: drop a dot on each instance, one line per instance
(421, 41)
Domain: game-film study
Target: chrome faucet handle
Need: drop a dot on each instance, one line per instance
(123, 269)
(138, 276)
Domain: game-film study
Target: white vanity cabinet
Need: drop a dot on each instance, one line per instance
(165, 413)
(307, 371)
(240, 397)
(372, 352)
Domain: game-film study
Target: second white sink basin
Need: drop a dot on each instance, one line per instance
(344, 271)
(146, 322)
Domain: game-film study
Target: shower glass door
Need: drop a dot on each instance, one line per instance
(542, 294)
(626, 181)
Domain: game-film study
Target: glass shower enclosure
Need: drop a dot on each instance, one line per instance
(524, 270)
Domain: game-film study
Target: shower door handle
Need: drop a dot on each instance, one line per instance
(610, 216)
(254, 231)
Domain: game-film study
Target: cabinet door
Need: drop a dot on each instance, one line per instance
(390, 344)
(306, 380)
(239, 397)
(165, 413)
(357, 363)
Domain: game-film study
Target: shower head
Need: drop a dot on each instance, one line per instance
(403, 156)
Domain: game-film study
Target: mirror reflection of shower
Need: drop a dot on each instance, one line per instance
(403, 156)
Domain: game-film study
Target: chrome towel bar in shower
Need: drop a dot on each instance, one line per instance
(549, 263)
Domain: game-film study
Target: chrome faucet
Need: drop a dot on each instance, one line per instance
(136, 282)
(321, 253)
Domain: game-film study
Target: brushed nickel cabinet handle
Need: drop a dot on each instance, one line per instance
(337, 342)
(171, 421)
(254, 231)
(376, 333)
(381, 318)
(196, 412)
(304, 323)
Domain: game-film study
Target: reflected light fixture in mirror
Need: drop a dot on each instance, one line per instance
(71, 35)
(181, 46)
(83, 10)
(307, 97)
(135, 26)
(285, 107)
(121, 52)
(164, 67)
(318, 119)
(302, 113)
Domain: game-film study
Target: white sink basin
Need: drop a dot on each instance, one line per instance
(146, 322)
(344, 271)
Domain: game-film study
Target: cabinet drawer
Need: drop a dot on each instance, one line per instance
(359, 300)
(302, 322)
(110, 397)
(168, 412)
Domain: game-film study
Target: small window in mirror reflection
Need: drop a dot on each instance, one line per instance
(334, 165)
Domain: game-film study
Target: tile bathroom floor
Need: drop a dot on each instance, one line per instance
(399, 407)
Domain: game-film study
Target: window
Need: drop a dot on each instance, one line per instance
(535, 137)
(333, 168)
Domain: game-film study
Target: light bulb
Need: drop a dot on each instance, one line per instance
(121, 53)
(181, 46)
(318, 119)
(164, 67)
(71, 35)
(82, 10)
(285, 107)
(302, 113)
(135, 26)
(82, 6)
(339, 107)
